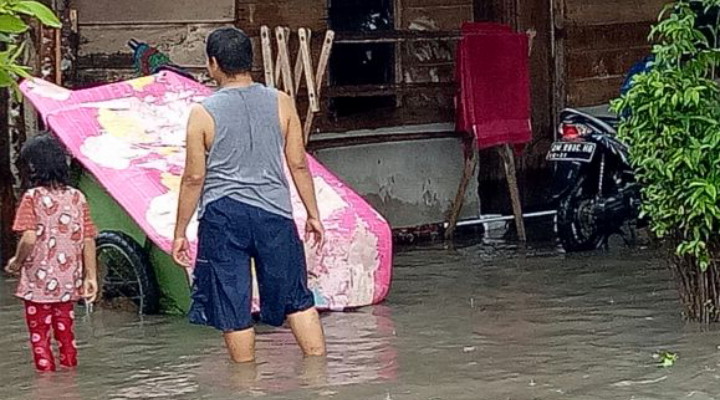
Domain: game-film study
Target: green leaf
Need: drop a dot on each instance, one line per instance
(12, 24)
(16, 93)
(5, 79)
(5, 55)
(17, 53)
(712, 191)
(667, 359)
(38, 10)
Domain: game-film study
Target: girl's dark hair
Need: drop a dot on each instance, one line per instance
(47, 161)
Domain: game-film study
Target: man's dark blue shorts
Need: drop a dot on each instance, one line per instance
(230, 234)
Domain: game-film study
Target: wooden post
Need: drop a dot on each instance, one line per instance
(298, 70)
(508, 158)
(48, 53)
(69, 42)
(287, 77)
(308, 67)
(278, 59)
(319, 77)
(284, 61)
(267, 56)
(470, 156)
(557, 52)
(7, 193)
(506, 153)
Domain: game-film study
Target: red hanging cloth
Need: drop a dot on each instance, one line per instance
(494, 85)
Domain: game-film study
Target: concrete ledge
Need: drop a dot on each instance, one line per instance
(320, 141)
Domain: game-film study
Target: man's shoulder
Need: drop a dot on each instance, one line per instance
(282, 96)
(285, 102)
(213, 97)
(201, 108)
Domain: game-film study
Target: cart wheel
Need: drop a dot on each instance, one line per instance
(125, 274)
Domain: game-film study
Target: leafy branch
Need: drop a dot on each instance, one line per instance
(14, 18)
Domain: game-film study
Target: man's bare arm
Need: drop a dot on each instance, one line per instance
(194, 176)
(295, 156)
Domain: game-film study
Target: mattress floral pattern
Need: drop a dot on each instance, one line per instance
(131, 137)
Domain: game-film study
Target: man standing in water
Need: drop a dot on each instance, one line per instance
(237, 142)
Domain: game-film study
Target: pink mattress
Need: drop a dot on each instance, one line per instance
(131, 136)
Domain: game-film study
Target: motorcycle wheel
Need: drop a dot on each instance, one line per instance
(576, 225)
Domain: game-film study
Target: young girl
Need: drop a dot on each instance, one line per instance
(56, 254)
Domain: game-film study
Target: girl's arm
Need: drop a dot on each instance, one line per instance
(26, 246)
(25, 223)
(23, 251)
(90, 285)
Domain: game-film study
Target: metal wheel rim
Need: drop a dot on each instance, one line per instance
(118, 277)
(585, 225)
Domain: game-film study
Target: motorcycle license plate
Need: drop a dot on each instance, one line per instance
(572, 151)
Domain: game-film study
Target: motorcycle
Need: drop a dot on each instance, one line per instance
(594, 185)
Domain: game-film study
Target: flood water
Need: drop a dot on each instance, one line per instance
(475, 322)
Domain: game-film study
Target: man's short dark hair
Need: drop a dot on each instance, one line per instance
(232, 49)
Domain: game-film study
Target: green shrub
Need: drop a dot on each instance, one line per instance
(673, 130)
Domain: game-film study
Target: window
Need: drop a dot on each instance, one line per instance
(361, 15)
(359, 63)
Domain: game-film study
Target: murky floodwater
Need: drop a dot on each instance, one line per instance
(479, 322)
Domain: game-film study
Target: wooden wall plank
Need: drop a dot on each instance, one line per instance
(600, 63)
(185, 44)
(428, 61)
(435, 73)
(603, 39)
(434, 3)
(437, 18)
(605, 12)
(106, 46)
(312, 14)
(92, 12)
(593, 91)
(582, 38)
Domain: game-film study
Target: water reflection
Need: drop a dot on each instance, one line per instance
(360, 350)
(53, 386)
(474, 322)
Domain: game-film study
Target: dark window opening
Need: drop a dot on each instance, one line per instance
(358, 64)
(363, 64)
(360, 15)
(352, 106)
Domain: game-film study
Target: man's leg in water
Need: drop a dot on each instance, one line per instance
(222, 284)
(281, 271)
(241, 345)
(308, 332)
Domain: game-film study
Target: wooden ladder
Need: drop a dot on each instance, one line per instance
(279, 73)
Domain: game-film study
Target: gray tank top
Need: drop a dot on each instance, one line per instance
(246, 160)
